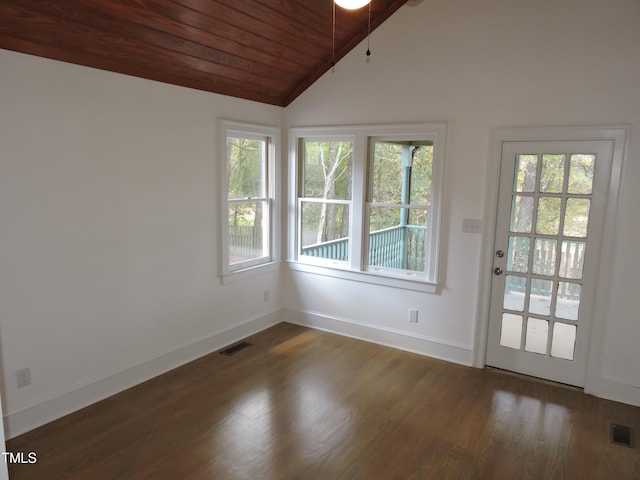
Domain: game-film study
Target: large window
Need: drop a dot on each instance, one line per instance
(249, 185)
(366, 202)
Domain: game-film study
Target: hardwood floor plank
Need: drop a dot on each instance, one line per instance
(304, 404)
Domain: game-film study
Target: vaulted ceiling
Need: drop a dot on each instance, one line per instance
(268, 51)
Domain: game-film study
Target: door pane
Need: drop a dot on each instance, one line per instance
(581, 174)
(514, 292)
(576, 217)
(552, 174)
(540, 297)
(521, 214)
(525, 174)
(548, 216)
(544, 256)
(537, 334)
(568, 300)
(511, 334)
(572, 259)
(564, 341)
(518, 254)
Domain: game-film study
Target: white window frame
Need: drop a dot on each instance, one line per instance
(356, 268)
(300, 200)
(267, 262)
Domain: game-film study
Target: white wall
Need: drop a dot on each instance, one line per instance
(478, 65)
(109, 248)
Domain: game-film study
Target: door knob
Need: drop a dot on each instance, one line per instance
(500, 253)
(497, 271)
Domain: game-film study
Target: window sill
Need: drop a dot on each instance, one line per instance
(249, 272)
(396, 281)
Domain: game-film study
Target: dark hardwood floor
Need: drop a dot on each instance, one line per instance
(303, 404)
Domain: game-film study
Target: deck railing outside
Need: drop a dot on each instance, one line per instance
(402, 247)
(396, 247)
(245, 242)
(544, 264)
(332, 250)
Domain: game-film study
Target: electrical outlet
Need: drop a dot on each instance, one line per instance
(413, 315)
(265, 295)
(23, 376)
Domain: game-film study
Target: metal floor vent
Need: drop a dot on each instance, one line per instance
(622, 435)
(235, 348)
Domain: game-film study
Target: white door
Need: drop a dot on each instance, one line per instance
(551, 205)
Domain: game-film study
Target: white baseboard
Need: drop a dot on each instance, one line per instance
(460, 354)
(33, 416)
(616, 390)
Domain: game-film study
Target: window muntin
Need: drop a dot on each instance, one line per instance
(381, 197)
(249, 186)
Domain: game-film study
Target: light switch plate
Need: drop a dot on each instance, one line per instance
(472, 225)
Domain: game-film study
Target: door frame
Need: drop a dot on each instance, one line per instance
(619, 135)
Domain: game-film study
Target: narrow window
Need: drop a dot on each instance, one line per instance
(325, 199)
(400, 174)
(249, 181)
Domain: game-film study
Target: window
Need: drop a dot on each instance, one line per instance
(249, 191)
(400, 176)
(325, 198)
(367, 202)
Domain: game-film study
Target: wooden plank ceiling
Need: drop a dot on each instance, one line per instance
(268, 51)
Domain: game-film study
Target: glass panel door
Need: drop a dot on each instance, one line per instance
(545, 223)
